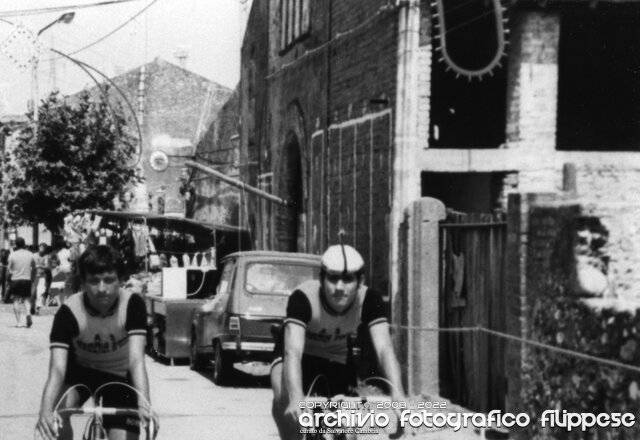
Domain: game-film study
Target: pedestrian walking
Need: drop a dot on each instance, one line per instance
(43, 277)
(22, 265)
(4, 275)
(64, 266)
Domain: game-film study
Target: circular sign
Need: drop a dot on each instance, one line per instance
(159, 160)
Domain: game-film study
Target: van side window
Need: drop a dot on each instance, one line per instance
(225, 278)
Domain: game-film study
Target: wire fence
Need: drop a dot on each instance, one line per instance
(521, 340)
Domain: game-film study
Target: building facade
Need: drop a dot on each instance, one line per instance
(174, 108)
(351, 110)
(216, 201)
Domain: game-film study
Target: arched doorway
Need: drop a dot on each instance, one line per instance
(289, 228)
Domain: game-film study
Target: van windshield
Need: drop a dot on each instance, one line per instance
(277, 278)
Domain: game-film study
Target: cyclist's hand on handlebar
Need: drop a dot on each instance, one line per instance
(48, 425)
(407, 430)
(147, 415)
(292, 414)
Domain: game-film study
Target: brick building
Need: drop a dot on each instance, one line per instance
(174, 108)
(362, 112)
(348, 111)
(216, 201)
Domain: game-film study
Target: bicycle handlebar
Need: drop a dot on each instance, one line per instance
(101, 411)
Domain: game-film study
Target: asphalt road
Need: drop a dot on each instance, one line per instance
(190, 406)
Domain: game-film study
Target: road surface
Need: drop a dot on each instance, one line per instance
(190, 406)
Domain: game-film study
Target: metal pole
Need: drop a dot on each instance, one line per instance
(34, 91)
(238, 184)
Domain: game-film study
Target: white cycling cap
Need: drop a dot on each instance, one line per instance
(342, 258)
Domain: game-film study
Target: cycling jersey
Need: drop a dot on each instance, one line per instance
(327, 332)
(96, 342)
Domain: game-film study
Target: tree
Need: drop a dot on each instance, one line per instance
(76, 157)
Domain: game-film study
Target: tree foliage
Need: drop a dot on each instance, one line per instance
(77, 156)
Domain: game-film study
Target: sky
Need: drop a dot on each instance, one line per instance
(210, 31)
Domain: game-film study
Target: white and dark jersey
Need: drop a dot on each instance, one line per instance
(99, 343)
(327, 332)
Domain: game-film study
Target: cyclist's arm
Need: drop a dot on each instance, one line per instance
(52, 389)
(135, 326)
(386, 357)
(294, 335)
(137, 366)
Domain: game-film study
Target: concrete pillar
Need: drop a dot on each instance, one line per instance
(406, 175)
(418, 305)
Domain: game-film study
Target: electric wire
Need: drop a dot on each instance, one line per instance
(341, 35)
(461, 5)
(521, 340)
(468, 22)
(37, 11)
(104, 37)
(133, 112)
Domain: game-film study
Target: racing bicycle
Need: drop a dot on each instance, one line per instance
(94, 428)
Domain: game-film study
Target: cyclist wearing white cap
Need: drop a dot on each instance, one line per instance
(321, 318)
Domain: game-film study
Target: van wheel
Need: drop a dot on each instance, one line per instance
(195, 360)
(222, 365)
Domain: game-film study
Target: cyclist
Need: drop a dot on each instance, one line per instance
(321, 317)
(98, 336)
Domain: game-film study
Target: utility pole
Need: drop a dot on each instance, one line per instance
(35, 98)
(66, 19)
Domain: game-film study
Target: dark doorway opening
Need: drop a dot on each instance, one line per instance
(289, 225)
(466, 192)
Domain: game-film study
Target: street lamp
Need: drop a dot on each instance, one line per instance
(65, 18)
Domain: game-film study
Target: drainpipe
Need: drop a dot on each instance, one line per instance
(406, 175)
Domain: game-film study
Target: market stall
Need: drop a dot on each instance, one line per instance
(173, 263)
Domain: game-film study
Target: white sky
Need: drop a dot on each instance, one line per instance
(211, 29)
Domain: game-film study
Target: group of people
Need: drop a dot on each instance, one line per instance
(99, 335)
(27, 276)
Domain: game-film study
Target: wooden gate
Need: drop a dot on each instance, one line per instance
(472, 294)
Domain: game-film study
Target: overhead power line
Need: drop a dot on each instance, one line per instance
(104, 37)
(37, 11)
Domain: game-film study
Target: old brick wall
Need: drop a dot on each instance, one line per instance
(555, 310)
(535, 222)
(360, 137)
(216, 201)
(336, 99)
(608, 180)
(173, 106)
(532, 97)
(297, 104)
(175, 103)
(253, 127)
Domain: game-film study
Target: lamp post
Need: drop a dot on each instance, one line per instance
(65, 18)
